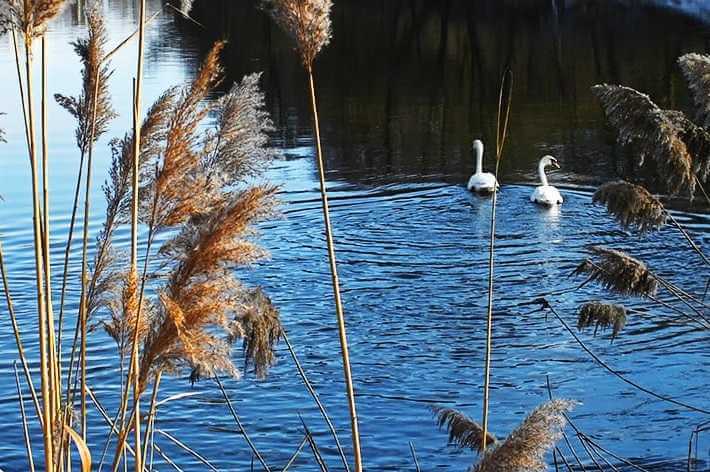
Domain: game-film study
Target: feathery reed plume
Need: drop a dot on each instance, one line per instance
(463, 431)
(696, 139)
(94, 74)
(173, 186)
(641, 124)
(28, 16)
(604, 315)
(618, 272)
(632, 205)
(306, 21)
(259, 326)
(123, 316)
(186, 7)
(202, 291)
(524, 450)
(696, 71)
(238, 146)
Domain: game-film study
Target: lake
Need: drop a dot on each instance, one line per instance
(404, 88)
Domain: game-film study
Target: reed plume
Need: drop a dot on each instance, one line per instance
(632, 205)
(95, 74)
(463, 431)
(652, 135)
(174, 185)
(201, 292)
(602, 315)
(618, 272)
(696, 71)
(28, 16)
(524, 450)
(696, 139)
(307, 22)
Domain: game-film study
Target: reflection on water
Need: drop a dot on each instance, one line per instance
(401, 103)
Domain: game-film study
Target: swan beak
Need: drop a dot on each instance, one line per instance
(555, 165)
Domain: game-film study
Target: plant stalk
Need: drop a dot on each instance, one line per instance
(336, 284)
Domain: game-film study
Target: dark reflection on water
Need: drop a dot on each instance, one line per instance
(400, 104)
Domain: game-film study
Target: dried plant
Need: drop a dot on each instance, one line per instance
(463, 431)
(186, 6)
(696, 139)
(174, 184)
(524, 450)
(238, 146)
(618, 272)
(654, 136)
(259, 327)
(306, 21)
(202, 293)
(604, 315)
(123, 315)
(696, 71)
(95, 74)
(28, 16)
(632, 205)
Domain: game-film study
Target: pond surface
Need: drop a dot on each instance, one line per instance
(400, 104)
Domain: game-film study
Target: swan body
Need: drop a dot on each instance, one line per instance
(481, 182)
(546, 194)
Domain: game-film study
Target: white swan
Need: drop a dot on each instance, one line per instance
(481, 182)
(546, 194)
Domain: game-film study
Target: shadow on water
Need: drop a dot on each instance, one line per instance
(406, 85)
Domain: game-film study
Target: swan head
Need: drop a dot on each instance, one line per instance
(549, 161)
(478, 146)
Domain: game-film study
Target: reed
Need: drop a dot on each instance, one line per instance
(308, 24)
(524, 449)
(631, 205)
(651, 132)
(602, 315)
(618, 272)
(463, 431)
(30, 18)
(696, 71)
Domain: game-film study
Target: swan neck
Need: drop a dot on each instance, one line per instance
(479, 159)
(541, 173)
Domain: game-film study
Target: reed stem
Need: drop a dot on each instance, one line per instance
(501, 133)
(46, 381)
(151, 414)
(336, 284)
(25, 426)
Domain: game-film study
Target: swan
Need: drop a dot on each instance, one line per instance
(481, 182)
(546, 194)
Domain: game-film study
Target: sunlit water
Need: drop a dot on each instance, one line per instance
(412, 242)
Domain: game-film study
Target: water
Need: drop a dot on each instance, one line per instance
(400, 105)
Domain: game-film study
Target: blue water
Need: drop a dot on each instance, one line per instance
(412, 248)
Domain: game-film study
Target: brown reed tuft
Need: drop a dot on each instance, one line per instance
(696, 139)
(238, 146)
(696, 71)
(604, 315)
(632, 205)
(618, 272)
(652, 135)
(463, 431)
(91, 52)
(201, 291)
(259, 327)
(28, 16)
(123, 315)
(307, 22)
(524, 450)
(174, 187)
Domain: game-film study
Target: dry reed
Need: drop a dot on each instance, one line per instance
(463, 431)
(308, 23)
(618, 272)
(602, 315)
(696, 71)
(30, 17)
(524, 450)
(631, 205)
(651, 133)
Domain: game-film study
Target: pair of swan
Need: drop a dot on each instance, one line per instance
(485, 182)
